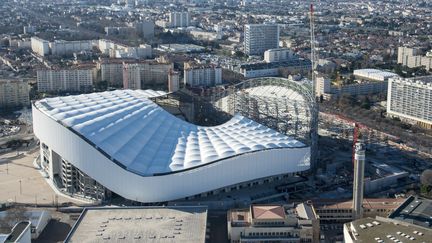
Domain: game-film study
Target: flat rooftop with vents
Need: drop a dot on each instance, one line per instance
(375, 230)
(415, 210)
(140, 224)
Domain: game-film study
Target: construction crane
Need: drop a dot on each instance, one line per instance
(314, 55)
(356, 133)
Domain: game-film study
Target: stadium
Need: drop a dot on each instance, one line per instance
(124, 143)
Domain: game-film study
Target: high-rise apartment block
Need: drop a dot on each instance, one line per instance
(411, 100)
(179, 19)
(173, 81)
(145, 29)
(259, 38)
(202, 75)
(145, 74)
(40, 46)
(14, 93)
(111, 71)
(65, 80)
(412, 58)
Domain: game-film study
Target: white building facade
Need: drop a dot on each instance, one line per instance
(149, 155)
(207, 76)
(65, 80)
(260, 37)
(179, 19)
(411, 100)
(14, 93)
(278, 55)
(145, 74)
(40, 46)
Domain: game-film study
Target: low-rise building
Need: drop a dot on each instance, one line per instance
(410, 99)
(181, 48)
(115, 50)
(379, 230)
(415, 210)
(410, 222)
(140, 224)
(38, 219)
(20, 233)
(273, 223)
(368, 81)
(373, 75)
(14, 93)
(256, 70)
(278, 55)
(340, 211)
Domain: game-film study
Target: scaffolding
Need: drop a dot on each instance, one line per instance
(284, 105)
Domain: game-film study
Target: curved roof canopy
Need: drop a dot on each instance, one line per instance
(144, 138)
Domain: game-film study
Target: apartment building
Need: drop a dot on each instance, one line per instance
(412, 58)
(173, 81)
(145, 74)
(369, 81)
(260, 37)
(40, 46)
(59, 48)
(65, 80)
(145, 29)
(272, 69)
(339, 211)
(14, 93)
(273, 223)
(111, 71)
(179, 19)
(278, 55)
(115, 50)
(202, 75)
(411, 100)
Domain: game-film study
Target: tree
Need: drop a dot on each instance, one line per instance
(426, 178)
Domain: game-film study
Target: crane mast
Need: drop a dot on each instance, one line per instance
(314, 57)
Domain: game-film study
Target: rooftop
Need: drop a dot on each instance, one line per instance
(268, 212)
(416, 211)
(140, 136)
(140, 224)
(270, 65)
(420, 81)
(368, 203)
(374, 230)
(17, 232)
(374, 74)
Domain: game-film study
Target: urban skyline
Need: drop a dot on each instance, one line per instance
(215, 121)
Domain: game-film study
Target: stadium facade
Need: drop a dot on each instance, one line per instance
(122, 142)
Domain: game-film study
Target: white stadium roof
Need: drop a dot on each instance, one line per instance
(142, 137)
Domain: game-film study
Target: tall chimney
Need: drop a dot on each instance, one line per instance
(358, 185)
